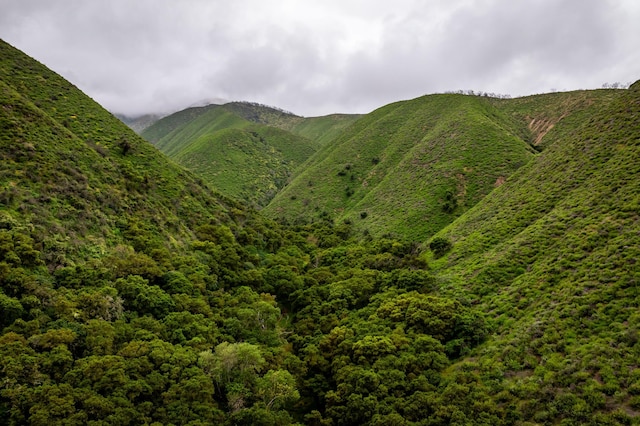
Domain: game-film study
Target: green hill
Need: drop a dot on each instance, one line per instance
(249, 164)
(238, 148)
(319, 130)
(408, 168)
(412, 167)
(81, 175)
(551, 256)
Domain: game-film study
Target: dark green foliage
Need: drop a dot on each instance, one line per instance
(439, 246)
(450, 202)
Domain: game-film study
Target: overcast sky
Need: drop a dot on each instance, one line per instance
(316, 57)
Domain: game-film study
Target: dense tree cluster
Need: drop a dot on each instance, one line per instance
(274, 331)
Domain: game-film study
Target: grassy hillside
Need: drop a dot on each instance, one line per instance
(320, 130)
(79, 174)
(412, 167)
(243, 159)
(409, 168)
(245, 150)
(551, 256)
(249, 164)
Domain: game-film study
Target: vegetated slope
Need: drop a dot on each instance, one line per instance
(242, 159)
(79, 174)
(541, 113)
(552, 257)
(249, 164)
(169, 134)
(408, 168)
(320, 130)
(131, 294)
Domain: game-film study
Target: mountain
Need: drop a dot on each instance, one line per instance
(245, 150)
(412, 167)
(409, 168)
(551, 256)
(131, 293)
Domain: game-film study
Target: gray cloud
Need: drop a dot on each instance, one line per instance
(321, 57)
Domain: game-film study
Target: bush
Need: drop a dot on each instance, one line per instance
(439, 246)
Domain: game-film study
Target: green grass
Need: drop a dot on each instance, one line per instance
(398, 164)
(246, 151)
(249, 164)
(79, 173)
(551, 256)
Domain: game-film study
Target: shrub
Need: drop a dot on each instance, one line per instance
(439, 246)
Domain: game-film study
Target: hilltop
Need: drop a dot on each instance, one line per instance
(247, 151)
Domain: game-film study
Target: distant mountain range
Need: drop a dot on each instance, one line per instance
(245, 150)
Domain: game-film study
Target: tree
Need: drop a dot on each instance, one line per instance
(277, 387)
(232, 362)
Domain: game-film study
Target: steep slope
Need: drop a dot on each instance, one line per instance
(409, 168)
(249, 164)
(88, 177)
(242, 159)
(552, 256)
(320, 130)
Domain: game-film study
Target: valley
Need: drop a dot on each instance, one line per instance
(450, 259)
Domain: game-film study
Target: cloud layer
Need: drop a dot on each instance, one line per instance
(316, 58)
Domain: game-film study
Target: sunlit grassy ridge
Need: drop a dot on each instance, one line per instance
(408, 168)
